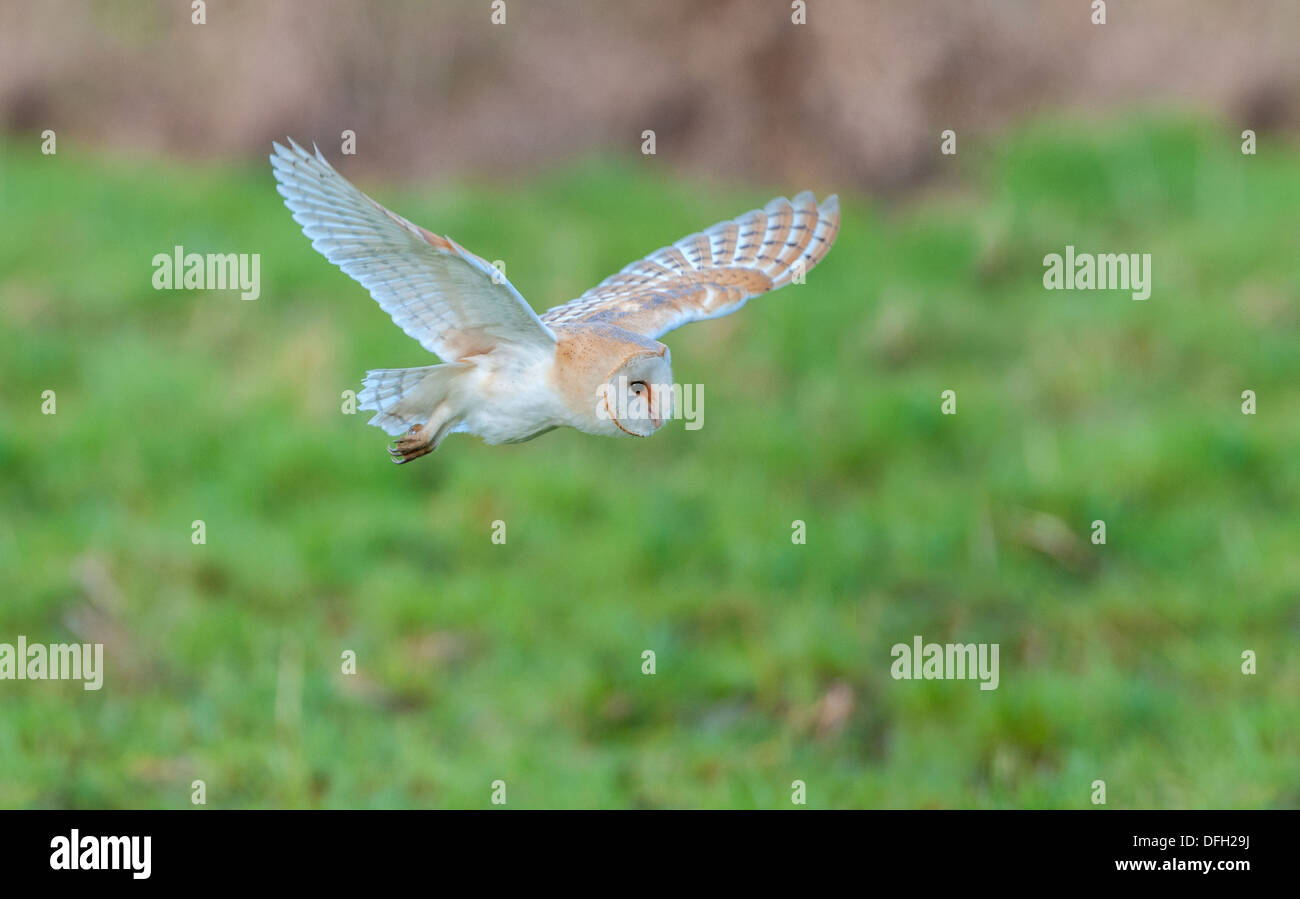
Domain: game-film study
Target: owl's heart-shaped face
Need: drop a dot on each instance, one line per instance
(638, 397)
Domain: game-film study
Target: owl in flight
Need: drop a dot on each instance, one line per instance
(508, 375)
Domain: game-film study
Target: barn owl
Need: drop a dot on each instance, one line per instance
(508, 375)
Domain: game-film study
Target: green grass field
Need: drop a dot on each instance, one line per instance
(522, 662)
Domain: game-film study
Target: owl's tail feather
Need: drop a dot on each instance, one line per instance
(403, 398)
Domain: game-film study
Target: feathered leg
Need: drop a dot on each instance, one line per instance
(403, 398)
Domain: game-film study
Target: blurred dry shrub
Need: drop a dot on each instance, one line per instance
(856, 97)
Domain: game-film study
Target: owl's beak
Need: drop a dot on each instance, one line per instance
(655, 423)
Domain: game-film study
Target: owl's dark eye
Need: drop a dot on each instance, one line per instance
(638, 387)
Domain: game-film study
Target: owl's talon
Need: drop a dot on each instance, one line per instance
(411, 445)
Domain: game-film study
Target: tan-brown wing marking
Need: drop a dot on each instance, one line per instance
(711, 273)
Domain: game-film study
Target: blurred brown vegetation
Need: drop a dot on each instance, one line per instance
(857, 96)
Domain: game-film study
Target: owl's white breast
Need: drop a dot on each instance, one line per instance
(510, 397)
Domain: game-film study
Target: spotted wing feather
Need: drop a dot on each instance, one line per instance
(712, 273)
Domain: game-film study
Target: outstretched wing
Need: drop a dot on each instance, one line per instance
(451, 301)
(711, 273)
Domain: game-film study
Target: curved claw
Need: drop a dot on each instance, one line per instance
(412, 445)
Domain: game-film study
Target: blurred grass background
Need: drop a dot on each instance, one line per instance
(522, 661)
